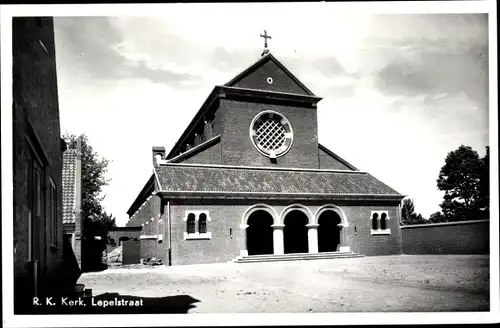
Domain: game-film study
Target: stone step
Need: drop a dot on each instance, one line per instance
(301, 254)
(296, 257)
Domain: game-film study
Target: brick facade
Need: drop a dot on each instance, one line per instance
(238, 149)
(150, 246)
(228, 237)
(36, 143)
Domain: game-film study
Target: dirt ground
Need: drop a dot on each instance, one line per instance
(370, 284)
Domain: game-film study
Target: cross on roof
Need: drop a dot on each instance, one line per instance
(265, 36)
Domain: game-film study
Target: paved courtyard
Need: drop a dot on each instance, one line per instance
(368, 284)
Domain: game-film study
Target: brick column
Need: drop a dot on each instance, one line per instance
(312, 237)
(343, 247)
(278, 241)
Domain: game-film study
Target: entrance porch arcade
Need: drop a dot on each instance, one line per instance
(295, 230)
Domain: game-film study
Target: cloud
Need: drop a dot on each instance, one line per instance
(95, 45)
(433, 71)
(87, 45)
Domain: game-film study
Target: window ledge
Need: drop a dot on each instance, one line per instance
(381, 232)
(197, 236)
(149, 237)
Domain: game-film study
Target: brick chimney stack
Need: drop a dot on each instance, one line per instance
(78, 204)
(158, 154)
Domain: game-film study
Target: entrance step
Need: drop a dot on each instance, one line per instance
(296, 257)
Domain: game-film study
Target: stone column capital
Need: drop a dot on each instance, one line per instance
(312, 225)
(278, 226)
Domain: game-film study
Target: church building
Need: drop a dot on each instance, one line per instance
(249, 179)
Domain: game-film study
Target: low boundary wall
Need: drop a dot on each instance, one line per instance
(464, 237)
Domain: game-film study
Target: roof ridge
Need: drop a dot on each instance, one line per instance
(261, 62)
(259, 168)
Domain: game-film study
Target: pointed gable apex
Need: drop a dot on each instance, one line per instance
(269, 74)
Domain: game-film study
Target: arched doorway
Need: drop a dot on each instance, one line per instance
(295, 232)
(329, 231)
(260, 233)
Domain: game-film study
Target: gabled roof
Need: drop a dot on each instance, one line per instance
(146, 191)
(198, 116)
(220, 179)
(215, 93)
(196, 150)
(262, 61)
(337, 157)
(69, 177)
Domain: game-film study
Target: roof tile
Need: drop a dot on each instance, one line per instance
(69, 185)
(183, 178)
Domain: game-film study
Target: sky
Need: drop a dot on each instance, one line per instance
(399, 91)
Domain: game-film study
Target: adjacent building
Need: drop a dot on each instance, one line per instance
(39, 266)
(72, 200)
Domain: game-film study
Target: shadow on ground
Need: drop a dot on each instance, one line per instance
(142, 305)
(114, 303)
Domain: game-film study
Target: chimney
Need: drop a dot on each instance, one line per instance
(77, 247)
(158, 154)
(79, 145)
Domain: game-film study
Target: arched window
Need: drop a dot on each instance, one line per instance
(122, 239)
(383, 217)
(202, 223)
(191, 224)
(374, 221)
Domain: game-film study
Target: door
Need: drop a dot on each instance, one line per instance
(36, 223)
(131, 251)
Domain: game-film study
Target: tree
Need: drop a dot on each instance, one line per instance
(96, 222)
(437, 217)
(407, 210)
(483, 204)
(417, 219)
(461, 179)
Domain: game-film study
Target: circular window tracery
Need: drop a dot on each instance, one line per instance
(271, 134)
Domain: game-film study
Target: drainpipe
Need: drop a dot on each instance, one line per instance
(169, 235)
(35, 277)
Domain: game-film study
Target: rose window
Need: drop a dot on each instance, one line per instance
(271, 134)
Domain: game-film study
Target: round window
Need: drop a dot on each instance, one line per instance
(271, 134)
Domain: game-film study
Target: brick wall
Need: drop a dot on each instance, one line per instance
(227, 238)
(151, 209)
(153, 248)
(142, 218)
(222, 247)
(467, 237)
(359, 231)
(35, 99)
(117, 233)
(238, 149)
